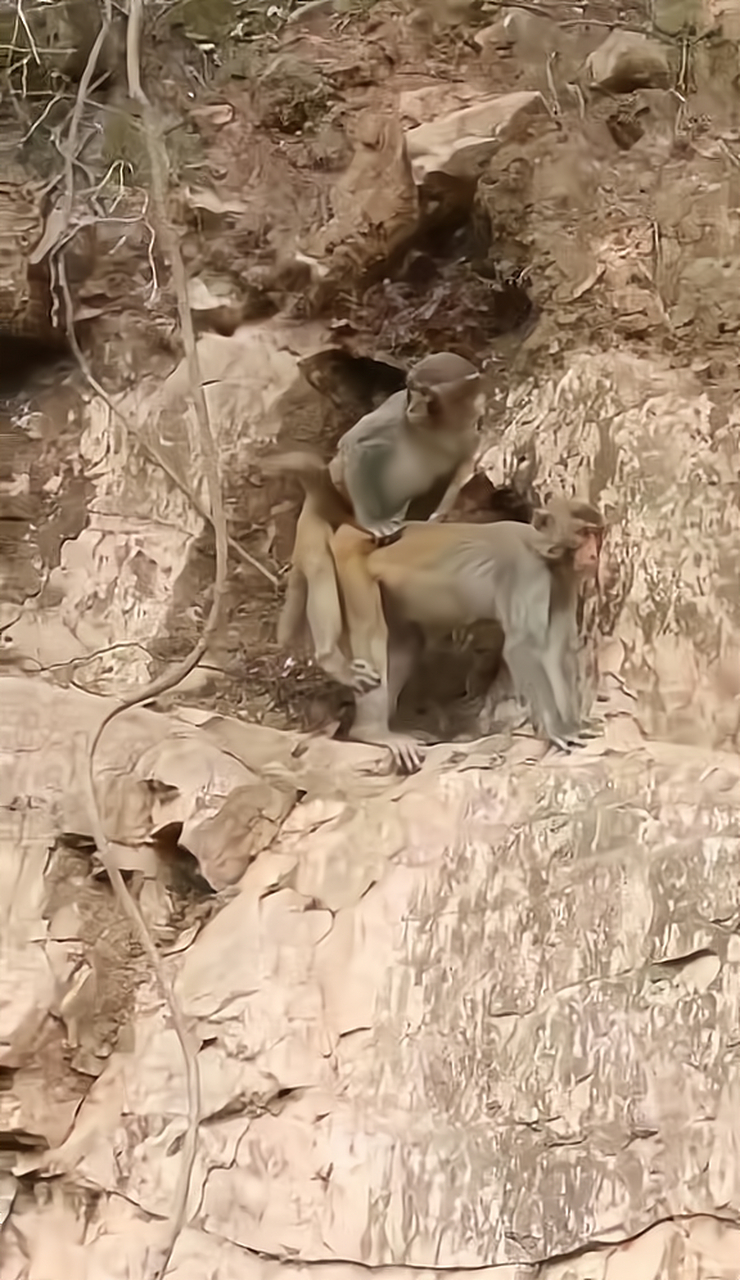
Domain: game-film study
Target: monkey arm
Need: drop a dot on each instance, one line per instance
(461, 477)
(365, 476)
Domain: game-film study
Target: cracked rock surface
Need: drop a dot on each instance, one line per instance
(485, 1018)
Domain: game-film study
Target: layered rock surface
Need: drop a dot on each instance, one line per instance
(485, 1017)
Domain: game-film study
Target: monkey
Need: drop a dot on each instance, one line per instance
(419, 435)
(445, 576)
(480, 501)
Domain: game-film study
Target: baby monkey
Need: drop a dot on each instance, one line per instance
(418, 437)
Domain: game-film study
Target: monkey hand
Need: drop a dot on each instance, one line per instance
(407, 753)
(363, 677)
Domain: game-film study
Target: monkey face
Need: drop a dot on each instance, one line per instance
(582, 525)
(588, 552)
(453, 406)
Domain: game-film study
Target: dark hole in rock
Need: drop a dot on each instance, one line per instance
(180, 868)
(21, 1140)
(353, 380)
(626, 130)
(167, 839)
(25, 362)
(450, 287)
(445, 203)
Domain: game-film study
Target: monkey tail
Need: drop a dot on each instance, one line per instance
(309, 469)
(292, 619)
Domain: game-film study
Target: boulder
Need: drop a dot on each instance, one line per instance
(627, 61)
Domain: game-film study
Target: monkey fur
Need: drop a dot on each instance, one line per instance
(418, 436)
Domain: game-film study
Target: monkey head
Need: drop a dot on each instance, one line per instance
(443, 392)
(578, 523)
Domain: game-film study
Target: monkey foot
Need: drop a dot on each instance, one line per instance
(407, 753)
(571, 742)
(566, 745)
(592, 727)
(363, 676)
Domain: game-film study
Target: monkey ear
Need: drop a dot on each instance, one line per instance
(459, 390)
(541, 518)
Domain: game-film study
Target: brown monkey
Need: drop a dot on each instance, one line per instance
(312, 595)
(451, 575)
(417, 436)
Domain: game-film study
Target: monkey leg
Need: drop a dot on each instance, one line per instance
(293, 613)
(532, 682)
(374, 710)
(370, 642)
(325, 622)
(314, 563)
(363, 605)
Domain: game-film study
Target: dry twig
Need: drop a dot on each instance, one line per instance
(159, 171)
(143, 444)
(69, 148)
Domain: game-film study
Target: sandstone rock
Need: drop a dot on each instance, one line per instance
(531, 35)
(460, 142)
(627, 61)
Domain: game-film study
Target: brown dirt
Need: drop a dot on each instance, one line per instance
(115, 955)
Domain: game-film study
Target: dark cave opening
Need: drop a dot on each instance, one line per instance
(448, 288)
(25, 362)
(350, 379)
